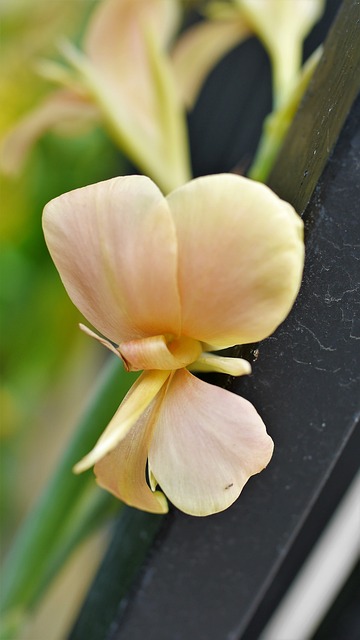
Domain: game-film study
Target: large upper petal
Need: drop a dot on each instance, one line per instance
(123, 470)
(241, 256)
(204, 450)
(115, 248)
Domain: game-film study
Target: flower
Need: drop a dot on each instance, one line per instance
(281, 25)
(167, 279)
(200, 47)
(122, 79)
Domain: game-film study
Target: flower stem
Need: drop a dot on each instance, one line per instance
(278, 122)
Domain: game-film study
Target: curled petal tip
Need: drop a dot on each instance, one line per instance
(103, 341)
(82, 466)
(232, 366)
(164, 505)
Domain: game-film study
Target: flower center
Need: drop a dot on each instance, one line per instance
(159, 352)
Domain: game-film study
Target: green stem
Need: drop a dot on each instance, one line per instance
(274, 129)
(278, 122)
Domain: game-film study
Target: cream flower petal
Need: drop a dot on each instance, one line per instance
(61, 106)
(132, 407)
(204, 450)
(123, 471)
(241, 257)
(279, 22)
(199, 49)
(221, 364)
(115, 248)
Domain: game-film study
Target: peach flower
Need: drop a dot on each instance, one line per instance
(217, 262)
(281, 25)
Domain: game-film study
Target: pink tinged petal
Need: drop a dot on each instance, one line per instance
(199, 49)
(158, 353)
(221, 364)
(206, 445)
(113, 19)
(127, 74)
(241, 257)
(133, 406)
(115, 248)
(123, 471)
(61, 106)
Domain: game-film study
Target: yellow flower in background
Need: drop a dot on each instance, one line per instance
(217, 262)
(200, 47)
(281, 25)
(122, 79)
(125, 80)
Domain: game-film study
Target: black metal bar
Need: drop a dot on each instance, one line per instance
(132, 538)
(320, 118)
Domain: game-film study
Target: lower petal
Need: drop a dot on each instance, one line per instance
(123, 471)
(141, 394)
(206, 445)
